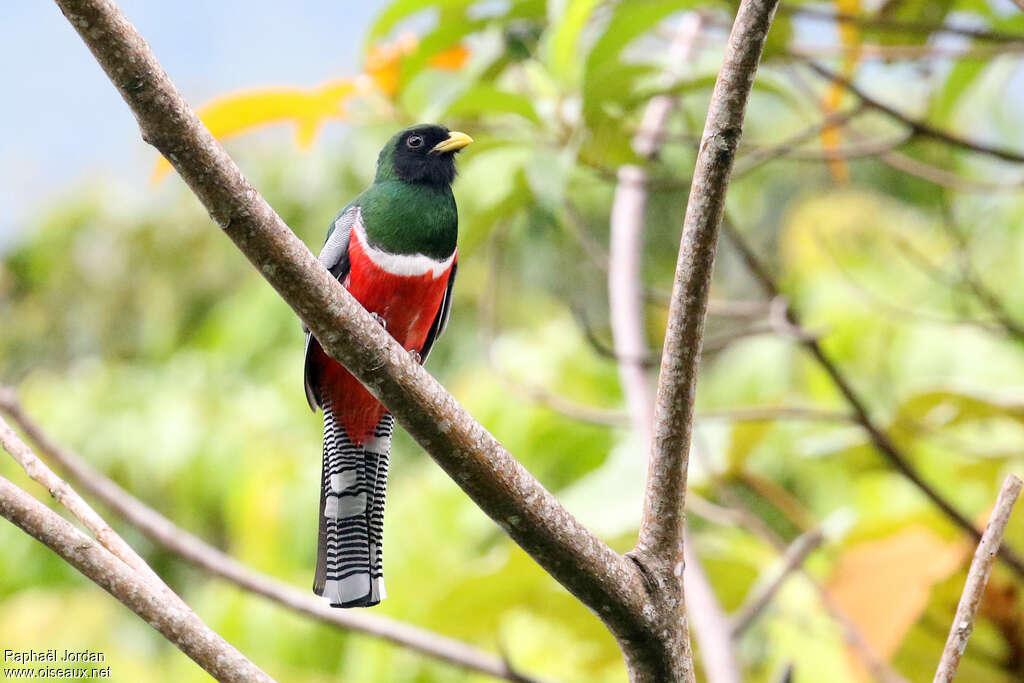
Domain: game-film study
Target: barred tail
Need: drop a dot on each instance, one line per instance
(349, 564)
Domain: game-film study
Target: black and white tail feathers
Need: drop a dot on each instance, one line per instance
(349, 562)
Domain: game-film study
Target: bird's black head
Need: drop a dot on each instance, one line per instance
(424, 153)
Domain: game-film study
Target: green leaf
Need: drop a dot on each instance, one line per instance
(398, 11)
(744, 439)
(487, 99)
(615, 84)
(963, 74)
(564, 59)
(605, 76)
(630, 20)
(944, 408)
(924, 11)
(779, 36)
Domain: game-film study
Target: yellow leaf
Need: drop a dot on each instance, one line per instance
(243, 112)
(831, 138)
(884, 585)
(308, 108)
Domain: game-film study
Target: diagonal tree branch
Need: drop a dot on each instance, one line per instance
(189, 547)
(601, 578)
(882, 442)
(918, 127)
(638, 597)
(152, 601)
(888, 24)
(761, 596)
(977, 579)
(69, 498)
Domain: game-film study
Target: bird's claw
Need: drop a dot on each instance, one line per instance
(416, 357)
(380, 320)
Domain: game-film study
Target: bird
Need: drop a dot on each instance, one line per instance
(394, 247)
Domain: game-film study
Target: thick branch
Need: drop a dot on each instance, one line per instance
(605, 581)
(629, 334)
(660, 545)
(174, 620)
(189, 547)
(977, 579)
(662, 527)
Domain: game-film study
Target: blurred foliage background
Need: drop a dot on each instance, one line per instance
(140, 337)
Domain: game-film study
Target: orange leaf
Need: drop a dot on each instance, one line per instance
(383, 61)
(452, 59)
(884, 585)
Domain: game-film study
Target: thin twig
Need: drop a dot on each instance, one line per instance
(967, 281)
(919, 127)
(896, 25)
(69, 498)
(882, 442)
(625, 270)
(977, 579)
(977, 286)
(625, 296)
(172, 618)
(943, 178)
(710, 623)
(858, 644)
(774, 413)
(761, 596)
(851, 152)
(587, 414)
(191, 548)
(898, 311)
(643, 358)
(760, 156)
(866, 51)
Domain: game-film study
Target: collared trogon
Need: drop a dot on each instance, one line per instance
(394, 248)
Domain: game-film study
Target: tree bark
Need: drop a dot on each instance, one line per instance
(639, 596)
(659, 549)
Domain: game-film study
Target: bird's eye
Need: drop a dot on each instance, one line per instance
(414, 142)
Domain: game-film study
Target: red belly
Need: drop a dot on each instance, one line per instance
(408, 306)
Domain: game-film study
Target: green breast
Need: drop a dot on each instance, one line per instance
(405, 218)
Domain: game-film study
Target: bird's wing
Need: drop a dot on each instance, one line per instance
(443, 313)
(334, 257)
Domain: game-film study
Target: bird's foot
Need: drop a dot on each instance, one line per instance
(380, 320)
(416, 357)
